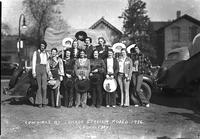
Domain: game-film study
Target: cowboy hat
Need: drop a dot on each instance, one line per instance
(68, 82)
(65, 40)
(110, 85)
(95, 79)
(117, 47)
(81, 35)
(82, 85)
(130, 47)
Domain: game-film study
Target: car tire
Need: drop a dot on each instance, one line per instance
(146, 89)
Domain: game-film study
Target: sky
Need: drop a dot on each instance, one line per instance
(81, 14)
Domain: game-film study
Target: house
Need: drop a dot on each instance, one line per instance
(10, 53)
(176, 34)
(9, 48)
(113, 33)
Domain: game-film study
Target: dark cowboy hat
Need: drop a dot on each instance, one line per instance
(82, 85)
(95, 79)
(68, 82)
(81, 35)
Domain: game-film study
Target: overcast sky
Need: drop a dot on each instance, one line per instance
(83, 13)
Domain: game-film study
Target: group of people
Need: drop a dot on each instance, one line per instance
(78, 71)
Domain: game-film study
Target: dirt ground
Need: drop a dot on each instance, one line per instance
(167, 117)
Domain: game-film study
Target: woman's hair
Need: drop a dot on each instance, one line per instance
(111, 50)
(124, 49)
(93, 53)
(79, 54)
(75, 41)
(89, 39)
(102, 39)
(43, 42)
(54, 49)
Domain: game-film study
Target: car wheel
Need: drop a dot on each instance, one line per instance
(145, 88)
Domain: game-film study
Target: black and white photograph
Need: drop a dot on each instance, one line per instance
(100, 69)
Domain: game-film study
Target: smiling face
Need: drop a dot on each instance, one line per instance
(110, 54)
(68, 53)
(42, 47)
(82, 54)
(101, 41)
(53, 53)
(123, 53)
(87, 41)
(75, 44)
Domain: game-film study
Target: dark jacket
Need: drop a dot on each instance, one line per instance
(73, 55)
(103, 52)
(115, 66)
(89, 51)
(98, 64)
(69, 66)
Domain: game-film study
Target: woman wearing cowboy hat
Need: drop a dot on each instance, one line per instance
(124, 77)
(55, 73)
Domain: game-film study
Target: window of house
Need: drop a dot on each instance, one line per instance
(192, 32)
(176, 33)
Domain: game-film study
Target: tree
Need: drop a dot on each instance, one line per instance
(137, 26)
(42, 14)
(5, 29)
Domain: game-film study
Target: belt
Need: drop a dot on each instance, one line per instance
(121, 73)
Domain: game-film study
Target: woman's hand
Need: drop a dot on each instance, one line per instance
(107, 76)
(96, 70)
(84, 77)
(79, 77)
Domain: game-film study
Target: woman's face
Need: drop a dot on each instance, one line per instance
(82, 54)
(75, 44)
(110, 54)
(42, 47)
(53, 53)
(68, 54)
(96, 54)
(137, 50)
(101, 41)
(87, 41)
(123, 53)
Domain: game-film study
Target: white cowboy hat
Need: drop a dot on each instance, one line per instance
(110, 85)
(117, 47)
(65, 40)
(130, 47)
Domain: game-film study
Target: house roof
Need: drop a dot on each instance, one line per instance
(185, 16)
(159, 24)
(102, 20)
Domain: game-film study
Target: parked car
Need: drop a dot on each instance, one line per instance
(7, 68)
(180, 72)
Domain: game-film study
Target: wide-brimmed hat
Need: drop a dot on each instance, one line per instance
(130, 47)
(95, 78)
(117, 47)
(81, 35)
(65, 40)
(68, 82)
(82, 85)
(110, 85)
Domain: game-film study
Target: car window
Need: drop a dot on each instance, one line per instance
(173, 56)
